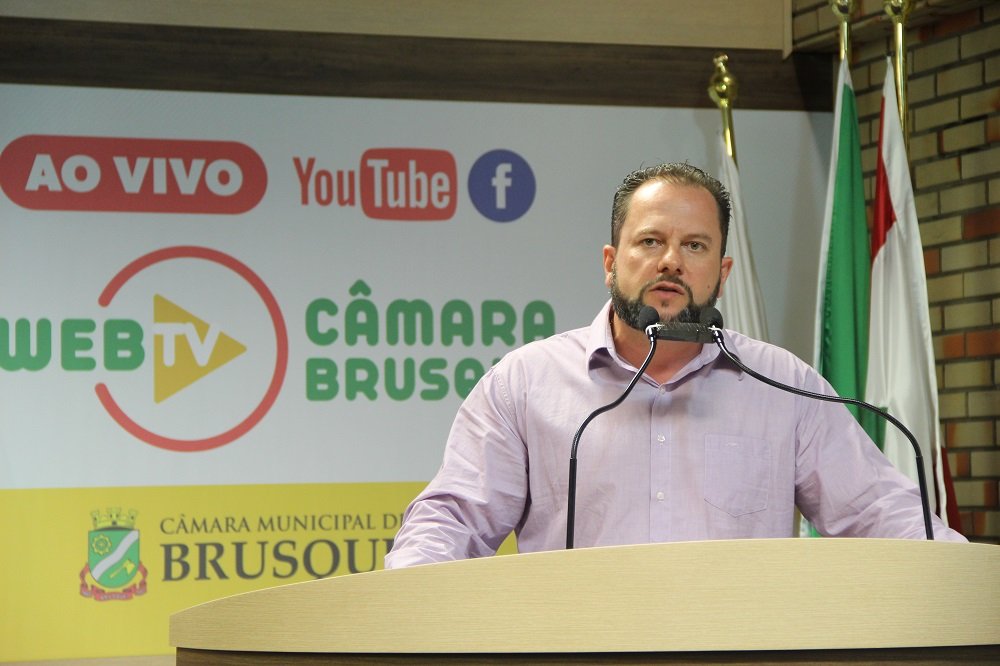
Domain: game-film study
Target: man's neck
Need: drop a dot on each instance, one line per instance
(633, 346)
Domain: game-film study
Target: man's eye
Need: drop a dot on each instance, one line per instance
(648, 242)
(696, 246)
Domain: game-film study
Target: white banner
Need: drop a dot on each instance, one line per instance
(93, 179)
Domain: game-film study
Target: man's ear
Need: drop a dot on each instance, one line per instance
(609, 264)
(727, 265)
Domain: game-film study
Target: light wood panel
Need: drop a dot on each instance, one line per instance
(746, 24)
(747, 595)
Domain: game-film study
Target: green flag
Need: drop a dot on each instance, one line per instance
(841, 341)
(845, 260)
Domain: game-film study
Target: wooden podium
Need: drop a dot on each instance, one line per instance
(745, 601)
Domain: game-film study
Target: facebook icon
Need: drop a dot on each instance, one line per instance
(502, 185)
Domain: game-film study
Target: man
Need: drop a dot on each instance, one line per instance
(697, 451)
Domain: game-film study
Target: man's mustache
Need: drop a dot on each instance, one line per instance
(672, 279)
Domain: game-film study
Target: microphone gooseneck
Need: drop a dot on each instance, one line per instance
(711, 318)
(648, 318)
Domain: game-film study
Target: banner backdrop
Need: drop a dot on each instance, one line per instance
(234, 329)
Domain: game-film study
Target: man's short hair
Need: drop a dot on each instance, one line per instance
(676, 173)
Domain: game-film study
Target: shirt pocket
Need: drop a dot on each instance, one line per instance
(737, 473)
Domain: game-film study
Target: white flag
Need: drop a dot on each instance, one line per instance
(741, 304)
(901, 376)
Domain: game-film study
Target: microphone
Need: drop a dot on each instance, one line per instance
(711, 319)
(648, 321)
(683, 332)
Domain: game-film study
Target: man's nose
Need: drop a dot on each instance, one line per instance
(671, 261)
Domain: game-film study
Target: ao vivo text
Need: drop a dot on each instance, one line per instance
(81, 173)
(417, 184)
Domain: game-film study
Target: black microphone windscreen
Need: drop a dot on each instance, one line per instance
(647, 317)
(710, 316)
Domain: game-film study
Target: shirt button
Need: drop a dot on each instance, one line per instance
(663, 389)
(661, 439)
(660, 496)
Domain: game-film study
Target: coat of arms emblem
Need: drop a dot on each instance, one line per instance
(113, 558)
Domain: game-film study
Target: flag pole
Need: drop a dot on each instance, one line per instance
(722, 89)
(742, 303)
(899, 11)
(843, 10)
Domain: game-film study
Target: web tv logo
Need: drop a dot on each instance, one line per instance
(187, 349)
(194, 407)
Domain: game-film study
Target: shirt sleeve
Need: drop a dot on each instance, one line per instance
(480, 492)
(845, 486)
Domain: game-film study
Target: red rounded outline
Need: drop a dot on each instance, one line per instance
(281, 341)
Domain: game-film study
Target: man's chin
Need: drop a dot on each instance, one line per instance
(678, 313)
(669, 312)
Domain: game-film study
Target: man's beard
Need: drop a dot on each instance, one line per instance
(628, 309)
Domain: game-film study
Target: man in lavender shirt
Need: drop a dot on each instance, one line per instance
(699, 450)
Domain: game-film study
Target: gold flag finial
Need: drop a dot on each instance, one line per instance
(843, 9)
(898, 8)
(722, 88)
(899, 11)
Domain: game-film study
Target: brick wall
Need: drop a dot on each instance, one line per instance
(953, 54)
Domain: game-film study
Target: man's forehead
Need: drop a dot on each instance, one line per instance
(655, 186)
(683, 193)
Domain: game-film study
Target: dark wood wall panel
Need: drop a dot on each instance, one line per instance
(122, 55)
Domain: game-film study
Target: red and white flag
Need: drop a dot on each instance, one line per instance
(901, 376)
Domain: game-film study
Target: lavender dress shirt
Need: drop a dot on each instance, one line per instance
(711, 454)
